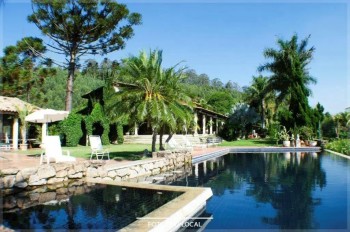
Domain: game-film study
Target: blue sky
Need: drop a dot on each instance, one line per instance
(226, 39)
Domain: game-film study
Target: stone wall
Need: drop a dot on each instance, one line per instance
(46, 194)
(28, 178)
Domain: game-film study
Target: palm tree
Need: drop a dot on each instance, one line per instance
(290, 77)
(257, 95)
(153, 94)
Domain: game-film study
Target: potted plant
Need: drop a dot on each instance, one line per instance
(284, 136)
(307, 134)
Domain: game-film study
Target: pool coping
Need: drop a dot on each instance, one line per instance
(226, 150)
(170, 216)
(337, 153)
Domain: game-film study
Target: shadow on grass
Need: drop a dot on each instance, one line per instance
(265, 141)
(126, 155)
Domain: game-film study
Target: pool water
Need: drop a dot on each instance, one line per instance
(275, 191)
(105, 207)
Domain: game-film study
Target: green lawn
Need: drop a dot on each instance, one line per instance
(250, 143)
(118, 152)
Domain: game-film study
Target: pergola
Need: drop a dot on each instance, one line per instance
(9, 123)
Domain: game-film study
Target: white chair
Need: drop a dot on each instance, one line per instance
(96, 147)
(53, 151)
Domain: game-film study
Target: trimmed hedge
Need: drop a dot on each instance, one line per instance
(71, 128)
(97, 115)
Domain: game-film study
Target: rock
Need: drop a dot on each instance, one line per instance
(79, 190)
(40, 182)
(55, 180)
(46, 197)
(155, 171)
(21, 184)
(122, 172)
(9, 171)
(8, 181)
(62, 197)
(76, 175)
(132, 173)
(111, 174)
(9, 202)
(61, 166)
(25, 173)
(34, 196)
(71, 172)
(107, 178)
(117, 178)
(46, 171)
(33, 178)
(79, 167)
(62, 191)
(62, 173)
(91, 172)
(102, 172)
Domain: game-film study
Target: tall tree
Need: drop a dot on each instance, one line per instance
(81, 27)
(21, 69)
(257, 95)
(290, 77)
(153, 95)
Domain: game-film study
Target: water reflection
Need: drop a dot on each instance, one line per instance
(99, 207)
(283, 182)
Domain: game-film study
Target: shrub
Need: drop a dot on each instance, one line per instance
(341, 146)
(71, 128)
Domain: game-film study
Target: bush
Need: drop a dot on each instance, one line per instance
(341, 146)
(71, 128)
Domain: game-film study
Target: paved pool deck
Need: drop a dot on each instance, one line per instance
(12, 159)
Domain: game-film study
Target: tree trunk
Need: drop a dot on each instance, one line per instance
(161, 133)
(70, 80)
(154, 139)
(263, 113)
(169, 137)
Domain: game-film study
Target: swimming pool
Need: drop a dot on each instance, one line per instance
(275, 190)
(92, 206)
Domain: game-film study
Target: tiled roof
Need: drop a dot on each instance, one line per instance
(10, 104)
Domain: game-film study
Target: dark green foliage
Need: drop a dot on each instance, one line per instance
(120, 133)
(83, 27)
(71, 128)
(341, 146)
(329, 127)
(97, 117)
(240, 122)
(211, 94)
(46, 95)
(20, 71)
(221, 101)
(257, 95)
(306, 133)
(290, 78)
(153, 95)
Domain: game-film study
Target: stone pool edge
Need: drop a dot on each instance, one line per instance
(227, 150)
(170, 216)
(337, 153)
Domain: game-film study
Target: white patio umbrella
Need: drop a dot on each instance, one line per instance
(46, 116)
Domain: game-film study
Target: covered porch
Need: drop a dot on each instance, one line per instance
(10, 122)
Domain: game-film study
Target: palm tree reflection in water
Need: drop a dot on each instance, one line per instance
(284, 181)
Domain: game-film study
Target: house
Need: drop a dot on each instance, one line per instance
(9, 119)
(208, 122)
